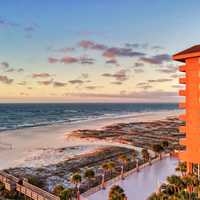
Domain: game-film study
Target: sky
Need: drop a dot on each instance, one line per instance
(94, 50)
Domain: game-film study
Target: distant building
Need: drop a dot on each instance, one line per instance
(191, 59)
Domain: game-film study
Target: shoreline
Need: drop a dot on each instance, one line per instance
(26, 141)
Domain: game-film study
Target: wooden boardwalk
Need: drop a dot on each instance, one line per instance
(15, 184)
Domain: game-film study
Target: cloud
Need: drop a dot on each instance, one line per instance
(59, 84)
(52, 60)
(157, 59)
(86, 60)
(136, 45)
(137, 64)
(112, 61)
(24, 94)
(29, 28)
(178, 86)
(6, 80)
(107, 75)
(144, 46)
(28, 36)
(160, 80)
(144, 85)
(87, 44)
(176, 75)
(65, 49)
(41, 75)
(5, 65)
(137, 71)
(120, 75)
(84, 75)
(121, 52)
(7, 23)
(168, 69)
(22, 83)
(109, 52)
(76, 81)
(116, 82)
(46, 82)
(52, 82)
(157, 47)
(92, 87)
(69, 60)
(2, 22)
(10, 70)
(20, 70)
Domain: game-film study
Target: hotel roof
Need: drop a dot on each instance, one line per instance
(188, 53)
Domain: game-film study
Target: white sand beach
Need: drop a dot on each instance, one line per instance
(42, 145)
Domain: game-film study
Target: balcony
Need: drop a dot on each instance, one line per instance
(182, 105)
(182, 117)
(183, 141)
(182, 93)
(182, 129)
(182, 68)
(182, 80)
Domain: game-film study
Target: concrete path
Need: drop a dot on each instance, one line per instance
(140, 185)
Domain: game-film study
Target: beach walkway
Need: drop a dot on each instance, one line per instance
(15, 184)
(140, 185)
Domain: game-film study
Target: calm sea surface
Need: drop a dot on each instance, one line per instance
(16, 116)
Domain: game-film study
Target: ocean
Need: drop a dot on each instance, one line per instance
(18, 116)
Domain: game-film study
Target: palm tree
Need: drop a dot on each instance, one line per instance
(89, 175)
(157, 148)
(165, 144)
(167, 189)
(67, 194)
(76, 180)
(182, 168)
(134, 155)
(111, 166)
(123, 159)
(176, 182)
(105, 168)
(117, 193)
(159, 196)
(146, 155)
(192, 184)
(57, 190)
(186, 195)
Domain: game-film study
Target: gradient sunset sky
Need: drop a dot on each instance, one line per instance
(94, 50)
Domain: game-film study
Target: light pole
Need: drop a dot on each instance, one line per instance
(122, 172)
(78, 191)
(103, 182)
(137, 165)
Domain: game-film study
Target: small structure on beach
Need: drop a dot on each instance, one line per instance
(191, 59)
